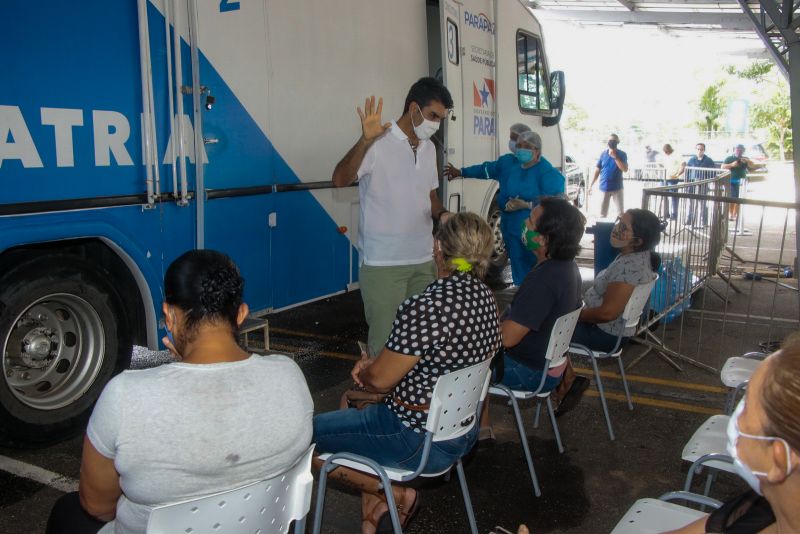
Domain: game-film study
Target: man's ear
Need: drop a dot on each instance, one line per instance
(241, 315)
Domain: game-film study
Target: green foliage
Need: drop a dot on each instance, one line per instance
(773, 113)
(711, 107)
(575, 117)
(757, 71)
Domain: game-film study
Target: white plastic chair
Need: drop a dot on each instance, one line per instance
(708, 447)
(736, 374)
(454, 410)
(651, 516)
(265, 507)
(557, 347)
(631, 314)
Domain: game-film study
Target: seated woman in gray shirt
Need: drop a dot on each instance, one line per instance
(215, 420)
(636, 235)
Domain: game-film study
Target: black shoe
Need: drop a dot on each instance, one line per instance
(573, 396)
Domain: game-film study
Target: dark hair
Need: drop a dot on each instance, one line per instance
(647, 228)
(206, 285)
(563, 225)
(781, 392)
(667, 147)
(700, 144)
(425, 90)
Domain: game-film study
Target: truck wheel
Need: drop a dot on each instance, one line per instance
(580, 198)
(500, 254)
(64, 334)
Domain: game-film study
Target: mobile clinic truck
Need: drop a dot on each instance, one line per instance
(132, 131)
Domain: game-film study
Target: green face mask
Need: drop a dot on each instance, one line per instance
(529, 237)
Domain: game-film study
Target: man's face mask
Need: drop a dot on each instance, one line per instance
(612, 143)
(524, 155)
(529, 237)
(425, 129)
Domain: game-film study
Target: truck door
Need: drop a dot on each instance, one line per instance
(451, 71)
(230, 91)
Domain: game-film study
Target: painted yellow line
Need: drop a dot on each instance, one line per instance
(647, 401)
(650, 380)
(309, 335)
(293, 348)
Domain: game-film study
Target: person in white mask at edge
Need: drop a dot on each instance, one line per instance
(395, 165)
(764, 440)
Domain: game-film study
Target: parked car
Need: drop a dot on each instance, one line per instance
(576, 182)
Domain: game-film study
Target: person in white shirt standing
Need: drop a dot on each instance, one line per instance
(674, 167)
(395, 165)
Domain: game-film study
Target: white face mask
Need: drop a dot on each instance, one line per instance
(426, 129)
(749, 476)
(512, 146)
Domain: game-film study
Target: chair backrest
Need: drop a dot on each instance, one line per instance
(268, 506)
(454, 403)
(560, 337)
(635, 306)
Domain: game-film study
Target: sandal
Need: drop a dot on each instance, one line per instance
(385, 522)
(375, 517)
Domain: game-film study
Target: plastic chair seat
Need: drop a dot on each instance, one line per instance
(518, 394)
(738, 370)
(650, 516)
(395, 474)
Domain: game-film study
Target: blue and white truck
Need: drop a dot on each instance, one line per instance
(134, 130)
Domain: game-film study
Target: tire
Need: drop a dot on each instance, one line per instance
(580, 198)
(500, 253)
(64, 334)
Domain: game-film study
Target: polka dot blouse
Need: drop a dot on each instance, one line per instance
(451, 325)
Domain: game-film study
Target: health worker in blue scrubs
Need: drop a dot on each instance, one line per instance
(523, 178)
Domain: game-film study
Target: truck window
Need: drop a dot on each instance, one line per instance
(532, 79)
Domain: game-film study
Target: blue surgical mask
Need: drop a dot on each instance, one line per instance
(524, 155)
(512, 146)
(742, 469)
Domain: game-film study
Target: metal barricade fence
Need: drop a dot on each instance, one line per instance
(723, 289)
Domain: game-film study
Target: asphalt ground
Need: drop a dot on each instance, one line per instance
(586, 489)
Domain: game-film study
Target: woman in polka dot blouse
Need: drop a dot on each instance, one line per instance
(451, 325)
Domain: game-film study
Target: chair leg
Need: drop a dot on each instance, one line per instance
(524, 440)
(602, 397)
(625, 382)
(462, 480)
(555, 425)
(712, 474)
(320, 506)
(536, 417)
(387, 491)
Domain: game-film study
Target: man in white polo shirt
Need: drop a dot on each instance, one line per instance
(395, 165)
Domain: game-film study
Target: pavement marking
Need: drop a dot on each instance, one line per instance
(650, 380)
(36, 473)
(647, 401)
(294, 349)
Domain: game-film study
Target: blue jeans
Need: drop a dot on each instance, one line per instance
(377, 433)
(523, 378)
(592, 336)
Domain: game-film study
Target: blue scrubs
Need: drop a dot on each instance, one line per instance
(528, 184)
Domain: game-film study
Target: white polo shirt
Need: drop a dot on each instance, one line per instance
(395, 227)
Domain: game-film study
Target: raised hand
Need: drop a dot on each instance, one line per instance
(371, 126)
(451, 172)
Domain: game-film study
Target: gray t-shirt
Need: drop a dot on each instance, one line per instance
(185, 430)
(633, 269)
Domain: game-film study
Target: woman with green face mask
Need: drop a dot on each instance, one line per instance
(552, 288)
(523, 176)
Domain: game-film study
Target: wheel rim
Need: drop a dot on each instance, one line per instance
(53, 351)
(499, 243)
(581, 195)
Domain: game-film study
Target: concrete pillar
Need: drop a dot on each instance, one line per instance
(794, 91)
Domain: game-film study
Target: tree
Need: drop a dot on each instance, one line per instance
(774, 115)
(575, 118)
(711, 107)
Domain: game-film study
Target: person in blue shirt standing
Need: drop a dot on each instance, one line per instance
(695, 172)
(610, 166)
(523, 178)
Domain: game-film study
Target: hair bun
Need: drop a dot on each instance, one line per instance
(219, 288)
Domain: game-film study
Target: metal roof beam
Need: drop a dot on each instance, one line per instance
(631, 7)
(728, 21)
